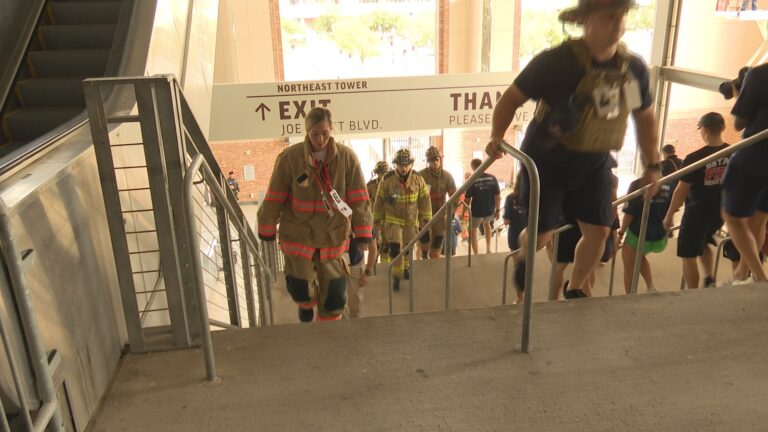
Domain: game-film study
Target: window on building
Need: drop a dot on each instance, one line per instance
(249, 172)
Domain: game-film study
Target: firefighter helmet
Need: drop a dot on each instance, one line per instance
(380, 168)
(403, 157)
(433, 153)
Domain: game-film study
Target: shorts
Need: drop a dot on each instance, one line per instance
(585, 197)
(476, 222)
(745, 185)
(693, 238)
(566, 247)
(650, 246)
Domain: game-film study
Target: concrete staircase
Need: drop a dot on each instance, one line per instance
(72, 42)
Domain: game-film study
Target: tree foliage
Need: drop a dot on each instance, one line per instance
(325, 23)
(356, 39)
(384, 22)
(291, 27)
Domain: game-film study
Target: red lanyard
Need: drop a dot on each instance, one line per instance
(323, 172)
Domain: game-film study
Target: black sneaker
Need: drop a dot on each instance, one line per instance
(520, 276)
(565, 288)
(574, 294)
(709, 282)
(306, 315)
(396, 285)
(406, 274)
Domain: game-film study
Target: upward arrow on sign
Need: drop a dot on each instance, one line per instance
(263, 108)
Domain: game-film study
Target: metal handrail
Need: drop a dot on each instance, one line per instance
(48, 416)
(198, 163)
(533, 222)
(719, 252)
(669, 178)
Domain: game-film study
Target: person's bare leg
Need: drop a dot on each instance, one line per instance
(590, 284)
(589, 249)
(743, 237)
(488, 235)
(473, 240)
(628, 258)
(691, 273)
(645, 271)
(708, 261)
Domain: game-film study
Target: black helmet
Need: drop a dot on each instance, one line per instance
(403, 157)
(380, 168)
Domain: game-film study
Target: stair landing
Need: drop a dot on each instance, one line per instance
(682, 361)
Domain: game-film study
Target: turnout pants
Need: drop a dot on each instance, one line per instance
(398, 236)
(314, 283)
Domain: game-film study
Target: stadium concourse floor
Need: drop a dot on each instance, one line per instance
(672, 361)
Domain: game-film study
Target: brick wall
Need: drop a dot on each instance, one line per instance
(277, 40)
(443, 18)
(682, 133)
(233, 156)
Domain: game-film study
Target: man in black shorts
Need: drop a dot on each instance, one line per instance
(745, 188)
(586, 89)
(701, 191)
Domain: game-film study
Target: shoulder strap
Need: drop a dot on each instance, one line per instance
(584, 57)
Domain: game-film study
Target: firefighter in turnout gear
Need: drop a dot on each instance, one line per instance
(382, 249)
(317, 196)
(402, 205)
(440, 183)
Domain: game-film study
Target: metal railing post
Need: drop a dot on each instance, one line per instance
(505, 278)
(719, 253)
(410, 278)
(448, 253)
(613, 272)
(472, 239)
(48, 415)
(205, 333)
(641, 243)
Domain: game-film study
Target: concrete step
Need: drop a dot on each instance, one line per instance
(84, 12)
(77, 37)
(68, 63)
(51, 92)
(29, 123)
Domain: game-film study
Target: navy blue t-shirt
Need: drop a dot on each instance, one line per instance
(483, 193)
(516, 213)
(553, 76)
(659, 207)
(752, 103)
(702, 205)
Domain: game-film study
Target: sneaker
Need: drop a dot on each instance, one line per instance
(747, 281)
(652, 290)
(306, 315)
(574, 294)
(520, 276)
(709, 282)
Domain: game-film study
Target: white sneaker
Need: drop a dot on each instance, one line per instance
(747, 281)
(652, 290)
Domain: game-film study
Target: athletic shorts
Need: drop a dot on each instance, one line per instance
(566, 247)
(745, 185)
(476, 222)
(586, 198)
(650, 246)
(693, 238)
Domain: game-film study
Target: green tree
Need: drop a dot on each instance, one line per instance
(540, 30)
(325, 23)
(419, 30)
(384, 22)
(290, 27)
(355, 38)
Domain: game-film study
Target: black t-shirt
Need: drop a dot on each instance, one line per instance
(659, 207)
(752, 104)
(483, 193)
(553, 76)
(702, 205)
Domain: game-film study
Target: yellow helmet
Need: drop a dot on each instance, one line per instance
(403, 157)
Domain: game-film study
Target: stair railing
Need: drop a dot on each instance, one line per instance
(746, 142)
(533, 220)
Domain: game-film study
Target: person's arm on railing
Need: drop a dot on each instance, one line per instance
(512, 99)
(277, 193)
(678, 198)
(647, 140)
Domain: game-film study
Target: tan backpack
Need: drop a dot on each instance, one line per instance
(595, 132)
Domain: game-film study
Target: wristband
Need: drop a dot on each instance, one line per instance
(367, 272)
(654, 166)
